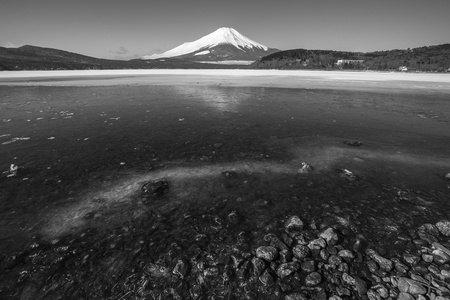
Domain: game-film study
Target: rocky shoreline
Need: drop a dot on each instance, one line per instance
(206, 256)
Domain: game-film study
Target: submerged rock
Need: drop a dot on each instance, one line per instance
(300, 251)
(444, 226)
(293, 223)
(287, 269)
(330, 236)
(407, 285)
(313, 279)
(353, 143)
(305, 168)
(385, 264)
(268, 253)
(154, 189)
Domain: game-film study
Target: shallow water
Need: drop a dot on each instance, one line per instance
(91, 148)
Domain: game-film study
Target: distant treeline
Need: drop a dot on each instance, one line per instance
(424, 59)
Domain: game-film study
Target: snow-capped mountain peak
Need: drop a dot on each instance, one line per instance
(222, 36)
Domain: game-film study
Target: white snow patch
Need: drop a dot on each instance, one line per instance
(224, 35)
(228, 62)
(202, 53)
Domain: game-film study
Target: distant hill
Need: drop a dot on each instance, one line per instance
(424, 59)
(37, 58)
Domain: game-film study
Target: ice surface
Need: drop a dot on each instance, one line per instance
(374, 81)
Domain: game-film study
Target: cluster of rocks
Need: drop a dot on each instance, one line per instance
(289, 261)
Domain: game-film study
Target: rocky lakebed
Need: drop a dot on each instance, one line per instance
(221, 192)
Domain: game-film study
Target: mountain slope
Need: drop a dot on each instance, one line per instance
(224, 44)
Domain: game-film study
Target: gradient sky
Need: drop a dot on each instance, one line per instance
(132, 28)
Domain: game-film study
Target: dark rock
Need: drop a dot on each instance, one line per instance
(258, 266)
(334, 260)
(347, 255)
(411, 259)
(230, 174)
(195, 291)
(430, 228)
(236, 260)
(295, 296)
(308, 266)
(420, 242)
(372, 266)
(287, 269)
(243, 272)
(427, 258)
(350, 280)
(381, 290)
(420, 268)
(353, 143)
(268, 253)
(233, 217)
(267, 278)
(434, 269)
(285, 287)
(154, 189)
(342, 291)
(275, 241)
(324, 254)
(330, 236)
(320, 294)
(407, 285)
(347, 174)
(428, 233)
(300, 251)
(287, 239)
(444, 227)
(333, 250)
(157, 270)
(385, 264)
(405, 296)
(440, 256)
(313, 279)
(293, 223)
(399, 266)
(360, 245)
(317, 244)
(373, 295)
(285, 256)
(361, 286)
(181, 268)
(343, 267)
(211, 272)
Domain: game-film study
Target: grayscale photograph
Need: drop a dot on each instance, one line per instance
(225, 150)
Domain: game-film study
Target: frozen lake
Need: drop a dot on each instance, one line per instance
(269, 78)
(227, 142)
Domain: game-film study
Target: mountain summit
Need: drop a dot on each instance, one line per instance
(223, 45)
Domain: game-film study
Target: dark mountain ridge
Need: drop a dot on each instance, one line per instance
(39, 58)
(424, 59)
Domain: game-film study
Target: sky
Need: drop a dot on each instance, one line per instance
(119, 29)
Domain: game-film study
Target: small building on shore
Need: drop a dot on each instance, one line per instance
(349, 61)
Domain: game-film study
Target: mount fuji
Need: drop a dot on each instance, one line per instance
(225, 45)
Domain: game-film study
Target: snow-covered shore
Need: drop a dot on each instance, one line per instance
(268, 78)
